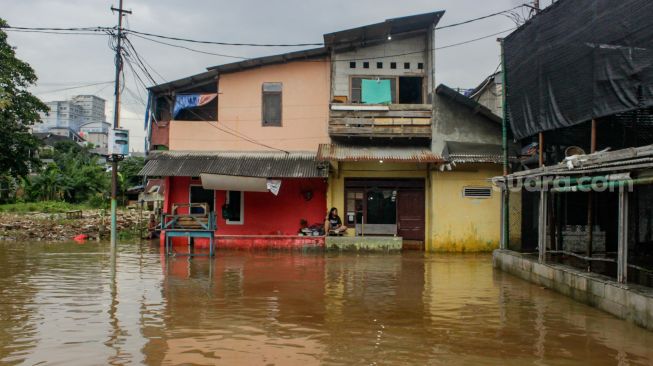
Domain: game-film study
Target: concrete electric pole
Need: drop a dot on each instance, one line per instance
(116, 123)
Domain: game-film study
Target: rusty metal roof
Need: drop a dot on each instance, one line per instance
(469, 152)
(390, 154)
(238, 163)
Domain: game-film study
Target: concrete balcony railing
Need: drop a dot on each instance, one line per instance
(380, 121)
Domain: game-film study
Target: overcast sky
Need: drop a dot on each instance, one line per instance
(64, 61)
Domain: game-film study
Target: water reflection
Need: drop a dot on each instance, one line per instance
(71, 304)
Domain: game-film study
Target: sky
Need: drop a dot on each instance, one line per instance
(68, 61)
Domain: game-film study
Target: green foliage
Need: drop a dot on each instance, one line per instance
(18, 110)
(129, 169)
(43, 206)
(75, 176)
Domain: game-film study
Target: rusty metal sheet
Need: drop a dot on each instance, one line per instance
(416, 154)
(246, 164)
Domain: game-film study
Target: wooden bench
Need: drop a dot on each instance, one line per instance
(376, 229)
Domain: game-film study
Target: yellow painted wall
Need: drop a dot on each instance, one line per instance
(463, 224)
(453, 223)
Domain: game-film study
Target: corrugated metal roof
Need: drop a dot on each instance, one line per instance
(389, 154)
(380, 31)
(471, 152)
(238, 163)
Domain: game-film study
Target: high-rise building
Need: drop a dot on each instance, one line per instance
(72, 114)
(92, 108)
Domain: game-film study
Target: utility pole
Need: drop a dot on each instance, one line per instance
(116, 123)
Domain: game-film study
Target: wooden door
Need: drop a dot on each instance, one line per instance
(411, 215)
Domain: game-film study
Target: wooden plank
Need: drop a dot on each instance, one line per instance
(373, 114)
(410, 107)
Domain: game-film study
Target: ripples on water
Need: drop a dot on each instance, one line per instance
(64, 304)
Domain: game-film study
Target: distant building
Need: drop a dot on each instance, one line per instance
(92, 108)
(96, 133)
(62, 114)
(72, 114)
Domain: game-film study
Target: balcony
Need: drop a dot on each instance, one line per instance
(380, 121)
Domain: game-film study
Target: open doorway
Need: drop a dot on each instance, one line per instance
(410, 90)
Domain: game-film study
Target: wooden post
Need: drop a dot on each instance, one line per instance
(622, 242)
(541, 148)
(541, 242)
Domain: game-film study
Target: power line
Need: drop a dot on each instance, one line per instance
(74, 87)
(92, 30)
(55, 32)
(189, 49)
(480, 18)
(224, 43)
(473, 40)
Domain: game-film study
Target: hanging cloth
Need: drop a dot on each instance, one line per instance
(376, 91)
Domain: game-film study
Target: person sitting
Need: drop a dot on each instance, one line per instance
(333, 225)
(152, 228)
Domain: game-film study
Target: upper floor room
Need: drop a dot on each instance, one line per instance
(374, 81)
(383, 78)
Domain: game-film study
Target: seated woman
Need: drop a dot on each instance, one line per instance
(333, 225)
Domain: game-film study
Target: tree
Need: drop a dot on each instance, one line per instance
(18, 110)
(129, 169)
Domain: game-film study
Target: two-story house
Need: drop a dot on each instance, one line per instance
(407, 158)
(358, 125)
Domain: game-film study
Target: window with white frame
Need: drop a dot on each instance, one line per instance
(235, 204)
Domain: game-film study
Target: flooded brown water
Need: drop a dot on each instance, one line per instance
(63, 304)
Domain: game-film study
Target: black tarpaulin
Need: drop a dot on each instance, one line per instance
(578, 60)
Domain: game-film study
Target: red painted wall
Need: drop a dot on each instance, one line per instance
(264, 213)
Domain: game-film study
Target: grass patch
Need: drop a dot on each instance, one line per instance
(43, 206)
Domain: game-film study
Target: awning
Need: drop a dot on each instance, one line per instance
(469, 152)
(397, 154)
(234, 163)
(233, 183)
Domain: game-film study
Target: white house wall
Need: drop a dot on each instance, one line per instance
(411, 50)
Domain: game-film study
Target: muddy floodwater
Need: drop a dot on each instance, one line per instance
(71, 304)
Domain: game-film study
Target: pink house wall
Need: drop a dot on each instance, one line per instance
(305, 111)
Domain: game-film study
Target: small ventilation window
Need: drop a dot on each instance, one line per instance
(393, 65)
(420, 65)
(352, 65)
(379, 65)
(366, 65)
(406, 65)
(477, 192)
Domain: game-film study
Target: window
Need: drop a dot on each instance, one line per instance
(356, 88)
(404, 89)
(235, 204)
(393, 65)
(379, 65)
(366, 65)
(406, 65)
(477, 192)
(420, 65)
(271, 104)
(200, 195)
(352, 65)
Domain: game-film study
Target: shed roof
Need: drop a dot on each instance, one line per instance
(475, 106)
(213, 71)
(380, 31)
(403, 154)
(237, 163)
